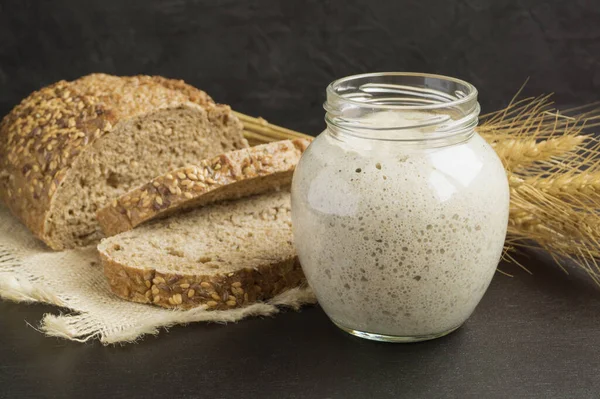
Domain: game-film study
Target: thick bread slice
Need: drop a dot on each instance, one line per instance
(232, 175)
(222, 256)
(69, 148)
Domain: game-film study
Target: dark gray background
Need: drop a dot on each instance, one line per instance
(275, 58)
(531, 336)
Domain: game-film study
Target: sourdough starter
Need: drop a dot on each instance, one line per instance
(399, 240)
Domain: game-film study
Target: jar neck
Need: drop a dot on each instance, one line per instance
(406, 108)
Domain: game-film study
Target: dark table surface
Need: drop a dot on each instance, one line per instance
(532, 336)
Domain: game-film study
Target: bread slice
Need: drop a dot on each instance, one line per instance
(232, 175)
(222, 256)
(69, 148)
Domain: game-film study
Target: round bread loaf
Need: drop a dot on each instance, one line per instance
(70, 148)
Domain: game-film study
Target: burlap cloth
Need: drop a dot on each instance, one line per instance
(73, 280)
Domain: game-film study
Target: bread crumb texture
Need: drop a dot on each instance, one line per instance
(232, 175)
(222, 256)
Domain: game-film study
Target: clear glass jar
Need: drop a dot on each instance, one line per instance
(399, 207)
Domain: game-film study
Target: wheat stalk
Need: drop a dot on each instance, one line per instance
(555, 225)
(554, 175)
(530, 205)
(572, 187)
(521, 153)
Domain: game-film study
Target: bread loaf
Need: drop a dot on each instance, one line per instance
(231, 175)
(222, 256)
(69, 148)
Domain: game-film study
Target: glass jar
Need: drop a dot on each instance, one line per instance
(399, 207)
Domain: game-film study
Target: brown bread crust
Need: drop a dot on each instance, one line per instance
(43, 135)
(217, 292)
(190, 184)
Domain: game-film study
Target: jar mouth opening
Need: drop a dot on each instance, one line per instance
(401, 106)
(401, 91)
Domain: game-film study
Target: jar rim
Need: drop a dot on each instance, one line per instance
(471, 95)
(414, 107)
